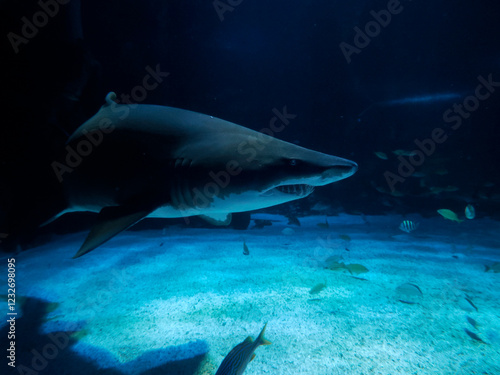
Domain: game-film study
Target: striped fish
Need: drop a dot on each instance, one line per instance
(237, 360)
(408, 226)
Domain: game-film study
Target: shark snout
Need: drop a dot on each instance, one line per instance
(339, 171)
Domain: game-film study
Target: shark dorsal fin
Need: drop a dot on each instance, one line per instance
(110, 99)
(110, 222)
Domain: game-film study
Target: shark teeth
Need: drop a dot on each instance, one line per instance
(301, 190)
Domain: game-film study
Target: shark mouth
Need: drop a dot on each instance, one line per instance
(300, 190)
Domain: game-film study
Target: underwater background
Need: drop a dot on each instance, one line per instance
(363, 276)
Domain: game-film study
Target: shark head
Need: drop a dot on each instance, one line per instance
(261, 172)
(155, 161)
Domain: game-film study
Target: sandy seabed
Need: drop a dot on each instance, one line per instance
(177, 301)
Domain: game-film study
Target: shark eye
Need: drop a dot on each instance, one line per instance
(293, 162)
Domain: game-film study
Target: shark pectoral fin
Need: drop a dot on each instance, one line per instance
(110, 222)
(217, 219)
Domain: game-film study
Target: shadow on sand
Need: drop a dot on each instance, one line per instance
(52, 353)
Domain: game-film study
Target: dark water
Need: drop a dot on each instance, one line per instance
(348, 88)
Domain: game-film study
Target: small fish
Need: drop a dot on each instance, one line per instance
(314, 300)
(238, 359)
(466, 304)
(245, 249)
(473, 335)
(317, 288)
(418, 174)
(409, 289)
(408, 302)
(359, 278)
(472, 322)
(397, 193)
(380, 189)
(381, 155)
(324, 225)
(470, 212)
(292, 220)
(336, 266)
(408, 226)
(345, 237)
(409, 293)
(468, 300)
(436, 190)
(334, 259)
(483, 195)
(495, 267)
(404, 153)
(356, 269)
(449, 214)
(261, 223)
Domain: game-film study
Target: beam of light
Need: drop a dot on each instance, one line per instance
(422, 99)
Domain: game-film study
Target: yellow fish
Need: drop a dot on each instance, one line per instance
(449, 214)
(238, 359)
(317, 288)
(356, 269)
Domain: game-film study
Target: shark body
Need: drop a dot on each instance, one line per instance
(156, 161)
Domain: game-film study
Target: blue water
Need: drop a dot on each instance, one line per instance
(178, 300)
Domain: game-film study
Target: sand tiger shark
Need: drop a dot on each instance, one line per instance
(131, 161)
